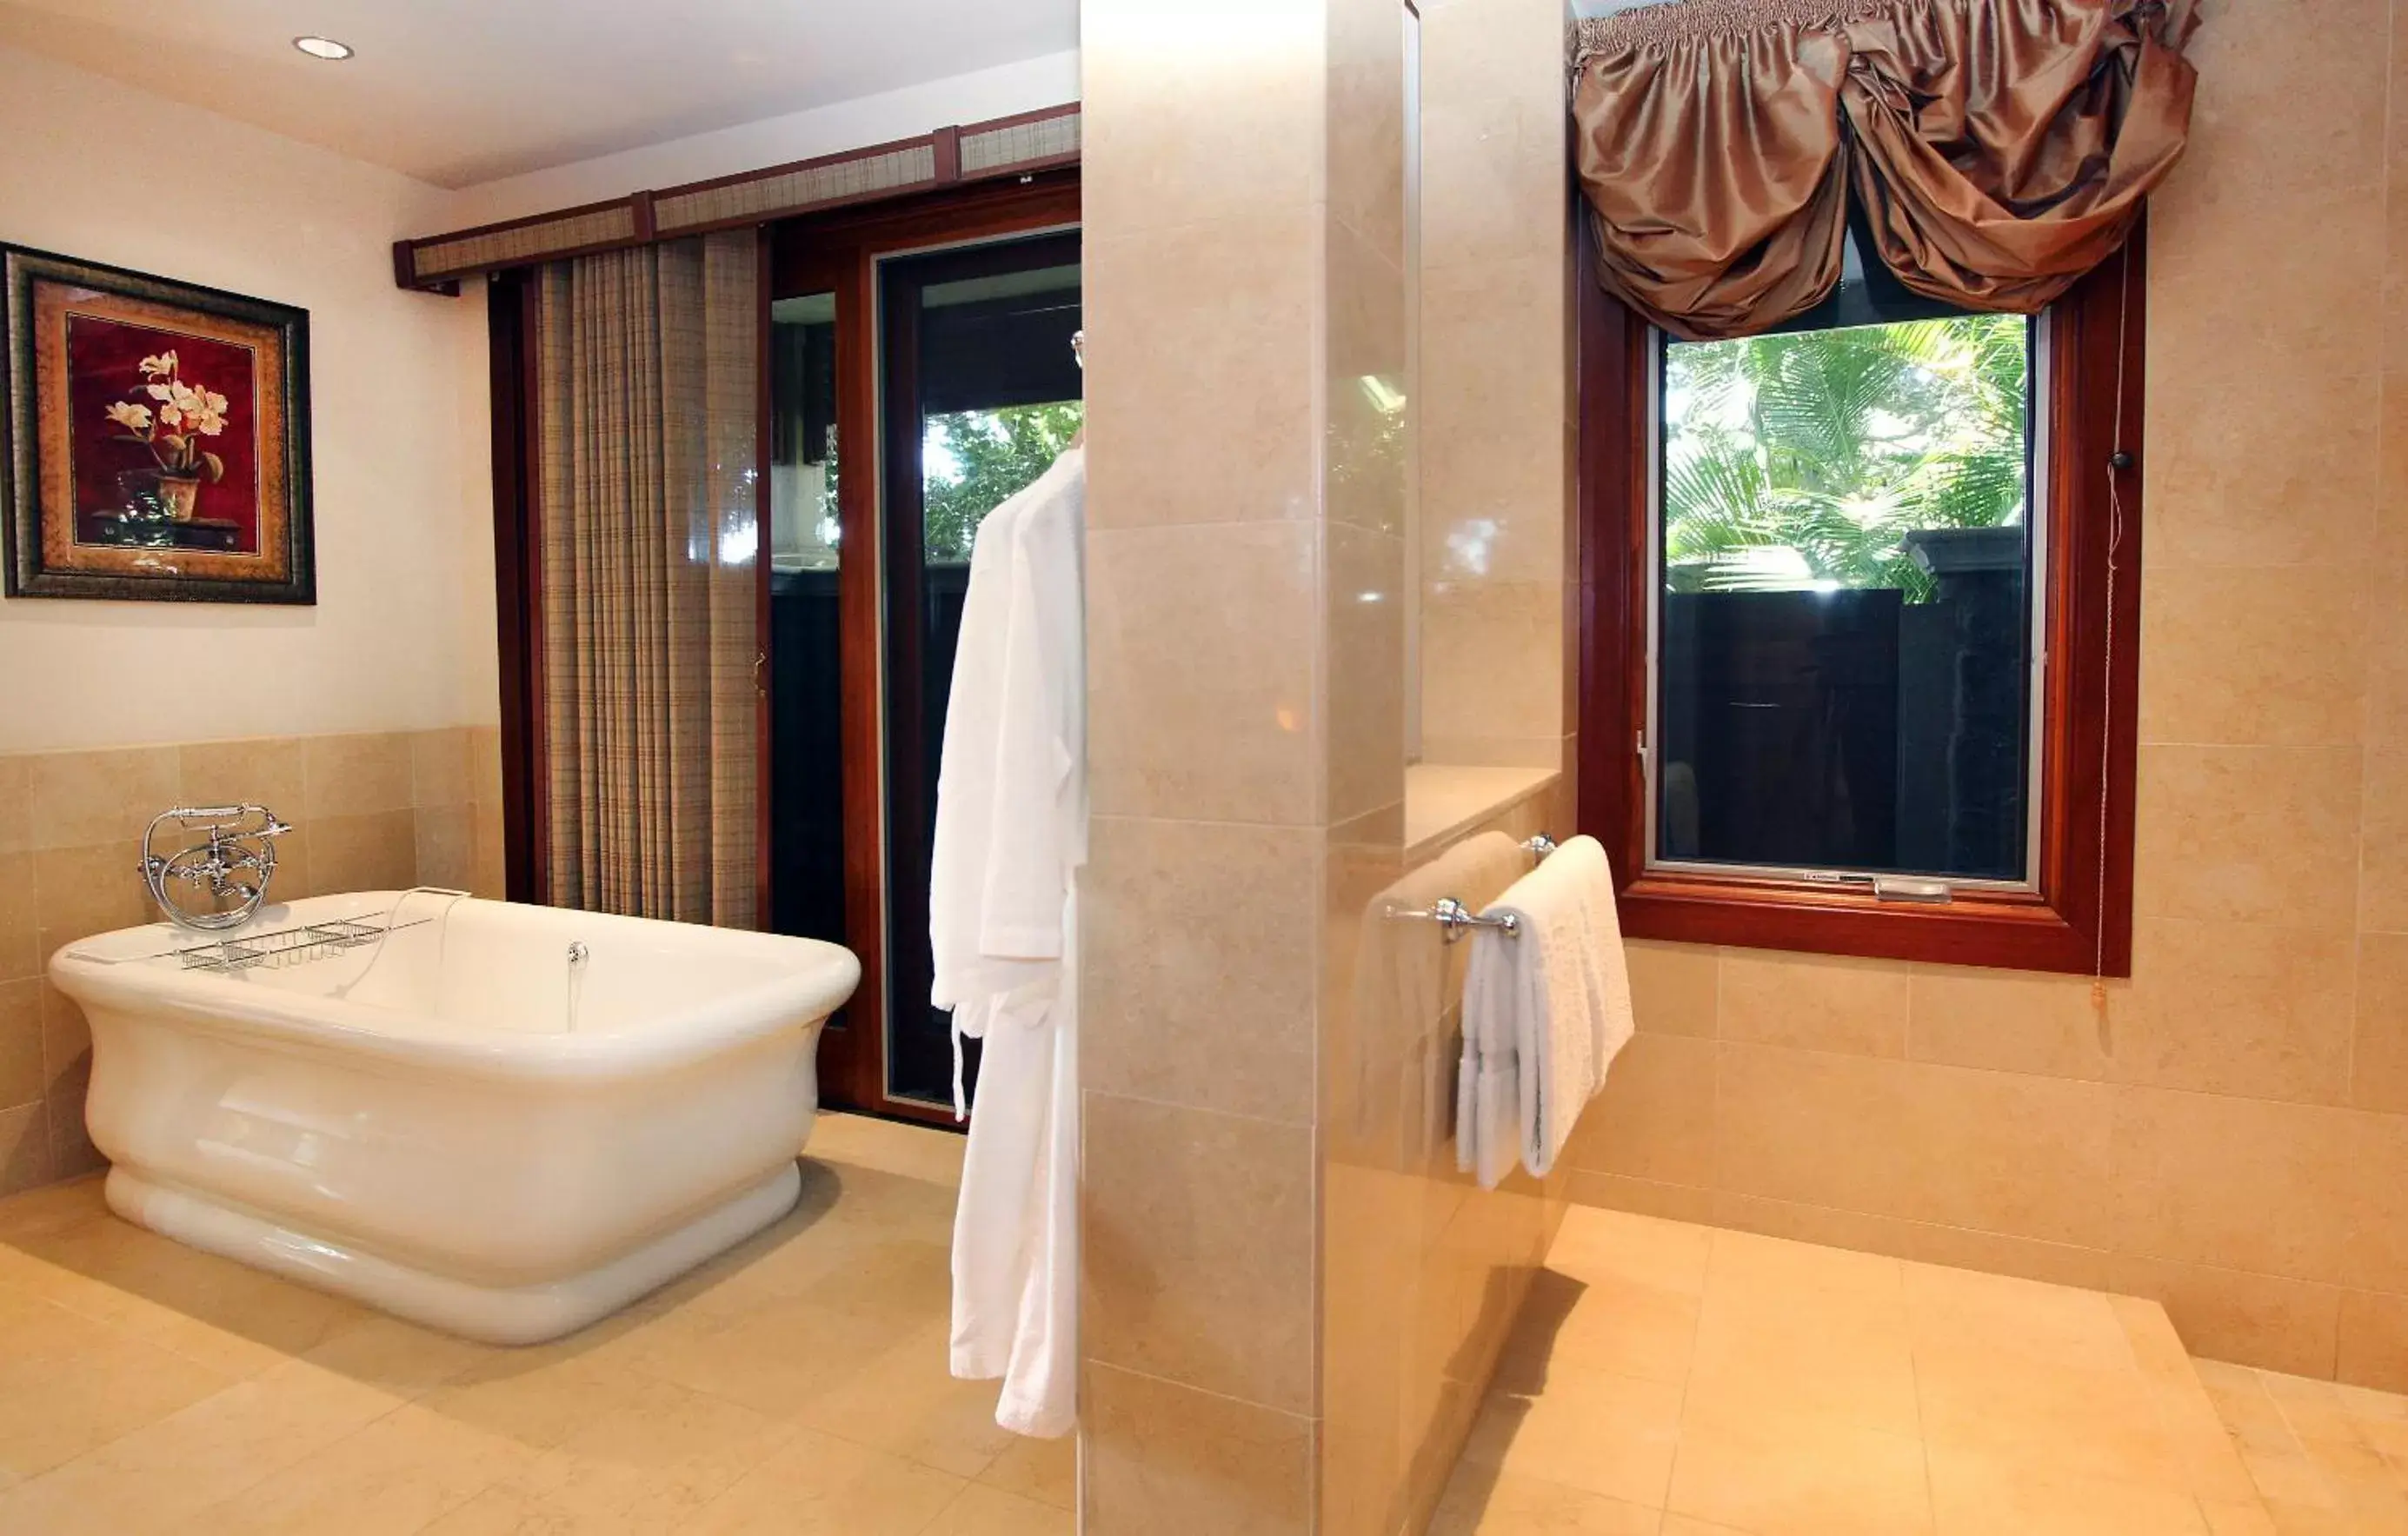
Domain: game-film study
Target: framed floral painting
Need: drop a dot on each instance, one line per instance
(155, 439)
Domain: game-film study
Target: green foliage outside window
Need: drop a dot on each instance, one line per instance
(974, 461)
(1798, 460)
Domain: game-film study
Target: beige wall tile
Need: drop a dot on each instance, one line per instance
(16, 806)
(2373, 1346)
(1243, 133)
(1612, 1192)
(262, 770)
(1169, 1460)
(1365, 679)
(2250, 1320)
(2052, 1263)
(2379, 1060)
(1201, 961)
(444, 838)
(20, 946)
(485, 765)
(2383, 870)
(1674, 987)
(2238, 1008)
(2012, 1021)
(367, 853)
(356, 775)
(1492, 661)
(1216, 351)
(21, 1081)
(440, 770)
(1995, 1152)
(2248, 834)
(1851, 1230)
(85, 891)
(1199, 1245)
(1202, 684)
(2387, 636)
(2264, 655)
(2236, 1183)
(73, 799)
(1814, 1001)
(2373, 1204)
(25, 1156)
(1492, 484)
(1655, 1119)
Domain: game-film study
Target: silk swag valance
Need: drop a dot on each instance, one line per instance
(1997, 149)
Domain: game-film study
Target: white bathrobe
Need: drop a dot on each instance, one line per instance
(1012, 822)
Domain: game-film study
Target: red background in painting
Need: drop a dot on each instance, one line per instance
(103, 368)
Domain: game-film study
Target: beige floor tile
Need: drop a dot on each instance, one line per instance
(820, 1485)
(154, 1477)
(1596, 1244)
(779, 1359)
(1682, 1525)
(1846, 1360)
(646, 1458)
(1611, 1435)
(390, 1479)
(69, 1385)
(2022, 1318)
(1978, 1495)
(224, 1314)
(889, 1146)
(2236, 1518)
(1481, 1501)
(1780, 1276)
(982, 1510)
(2091, 1423)
(1046, 1470)
(1606, 1323)
(1802, 1476)
(905, 1401)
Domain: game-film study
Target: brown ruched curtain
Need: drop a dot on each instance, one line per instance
(647, 374)
(1998, 148)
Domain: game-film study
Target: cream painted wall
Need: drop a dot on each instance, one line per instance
(974, 97)
(401, 636)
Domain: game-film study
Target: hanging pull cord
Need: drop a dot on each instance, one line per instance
(2119, 463)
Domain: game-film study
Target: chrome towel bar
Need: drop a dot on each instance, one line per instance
(1455, 919)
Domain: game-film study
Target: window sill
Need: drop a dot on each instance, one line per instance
(2014, 930)
(1443, 800)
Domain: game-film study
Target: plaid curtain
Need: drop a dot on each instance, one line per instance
(647, 387)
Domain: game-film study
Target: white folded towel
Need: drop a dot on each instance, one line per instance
(1545, 1010)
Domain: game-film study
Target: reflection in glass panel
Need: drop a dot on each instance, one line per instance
(807, 758)
(1846, 629)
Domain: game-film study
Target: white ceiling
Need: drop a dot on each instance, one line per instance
(457, 92)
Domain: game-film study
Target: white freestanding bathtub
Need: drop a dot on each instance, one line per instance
(499, 1120)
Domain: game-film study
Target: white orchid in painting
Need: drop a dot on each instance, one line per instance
(186, 413)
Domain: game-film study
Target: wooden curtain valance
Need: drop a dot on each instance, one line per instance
(980, 151)
(1995, 150)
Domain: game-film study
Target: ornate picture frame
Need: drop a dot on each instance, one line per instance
(154, 437)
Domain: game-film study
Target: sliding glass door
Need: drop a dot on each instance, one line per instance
(981, 394)
(922, 373)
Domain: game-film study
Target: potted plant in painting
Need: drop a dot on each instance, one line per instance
(172, 428)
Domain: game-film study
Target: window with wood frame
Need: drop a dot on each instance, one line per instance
(1860, 622)
(1860, 400)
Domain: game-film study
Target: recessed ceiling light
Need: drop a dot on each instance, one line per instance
(323, 48)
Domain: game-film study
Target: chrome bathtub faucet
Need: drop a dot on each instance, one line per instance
(234, 861)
